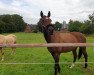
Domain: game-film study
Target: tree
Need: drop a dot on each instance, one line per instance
(11, 23)
(74, 26)
(58, 26)
(18, 22)
(91, 22)
(88, 26)
(2, 27)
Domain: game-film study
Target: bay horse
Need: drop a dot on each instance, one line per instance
(51, 36)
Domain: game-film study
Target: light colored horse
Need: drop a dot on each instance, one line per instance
(9, 39)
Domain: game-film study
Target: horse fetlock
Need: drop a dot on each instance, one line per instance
(85, 65)
(2, 59)
(72, 66)
(13, 53)
(58, 73)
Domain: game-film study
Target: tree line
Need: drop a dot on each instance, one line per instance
(11, 23)
(15, 23)
(86, 27)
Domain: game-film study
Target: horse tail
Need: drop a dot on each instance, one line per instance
(80, 53)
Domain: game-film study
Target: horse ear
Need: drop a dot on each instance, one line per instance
(41, 14)
(49, 14)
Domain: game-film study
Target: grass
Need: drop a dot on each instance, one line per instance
(41, 55)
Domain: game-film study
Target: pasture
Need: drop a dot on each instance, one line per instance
(41, 55)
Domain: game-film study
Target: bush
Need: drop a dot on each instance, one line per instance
(11, 23)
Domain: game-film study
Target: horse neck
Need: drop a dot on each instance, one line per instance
(47, 38)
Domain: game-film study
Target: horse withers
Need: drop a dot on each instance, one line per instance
(51, 36)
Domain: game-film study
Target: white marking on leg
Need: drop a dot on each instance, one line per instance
(72, 65)
(58, 73)
(2, 58)
(13, 51)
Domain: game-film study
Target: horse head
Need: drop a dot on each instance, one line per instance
(45, 20)
(47, 27)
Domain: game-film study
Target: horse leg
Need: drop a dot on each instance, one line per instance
(75, 56)
(85, 55)
(56, 67)
(13, 50)
(2, 54)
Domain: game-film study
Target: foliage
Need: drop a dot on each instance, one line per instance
(58, 26)
(11, 23)
(74, 26)
(86, 27)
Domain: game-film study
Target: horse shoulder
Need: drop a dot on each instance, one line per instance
(55, 38)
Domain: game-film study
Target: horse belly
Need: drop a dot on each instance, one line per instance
(67, 49)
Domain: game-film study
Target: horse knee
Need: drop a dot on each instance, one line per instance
(72, 65)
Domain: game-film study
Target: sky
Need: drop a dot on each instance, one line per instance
(61, 10)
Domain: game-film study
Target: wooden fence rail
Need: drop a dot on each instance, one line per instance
(48, 45)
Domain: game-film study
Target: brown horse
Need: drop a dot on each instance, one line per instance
(51, 36)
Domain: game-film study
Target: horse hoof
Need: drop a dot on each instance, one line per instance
(85, 66)
(58, 73)
(71, 67)
(2, 60)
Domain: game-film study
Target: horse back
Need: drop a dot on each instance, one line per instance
(58, 37)
(71, 37)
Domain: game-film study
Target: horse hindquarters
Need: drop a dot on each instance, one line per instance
(83, 51)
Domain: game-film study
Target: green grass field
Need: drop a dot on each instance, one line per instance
(41, 55)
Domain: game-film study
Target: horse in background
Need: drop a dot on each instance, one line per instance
(51, 36)
(8, 39)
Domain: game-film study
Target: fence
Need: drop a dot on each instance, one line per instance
(48, 45)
